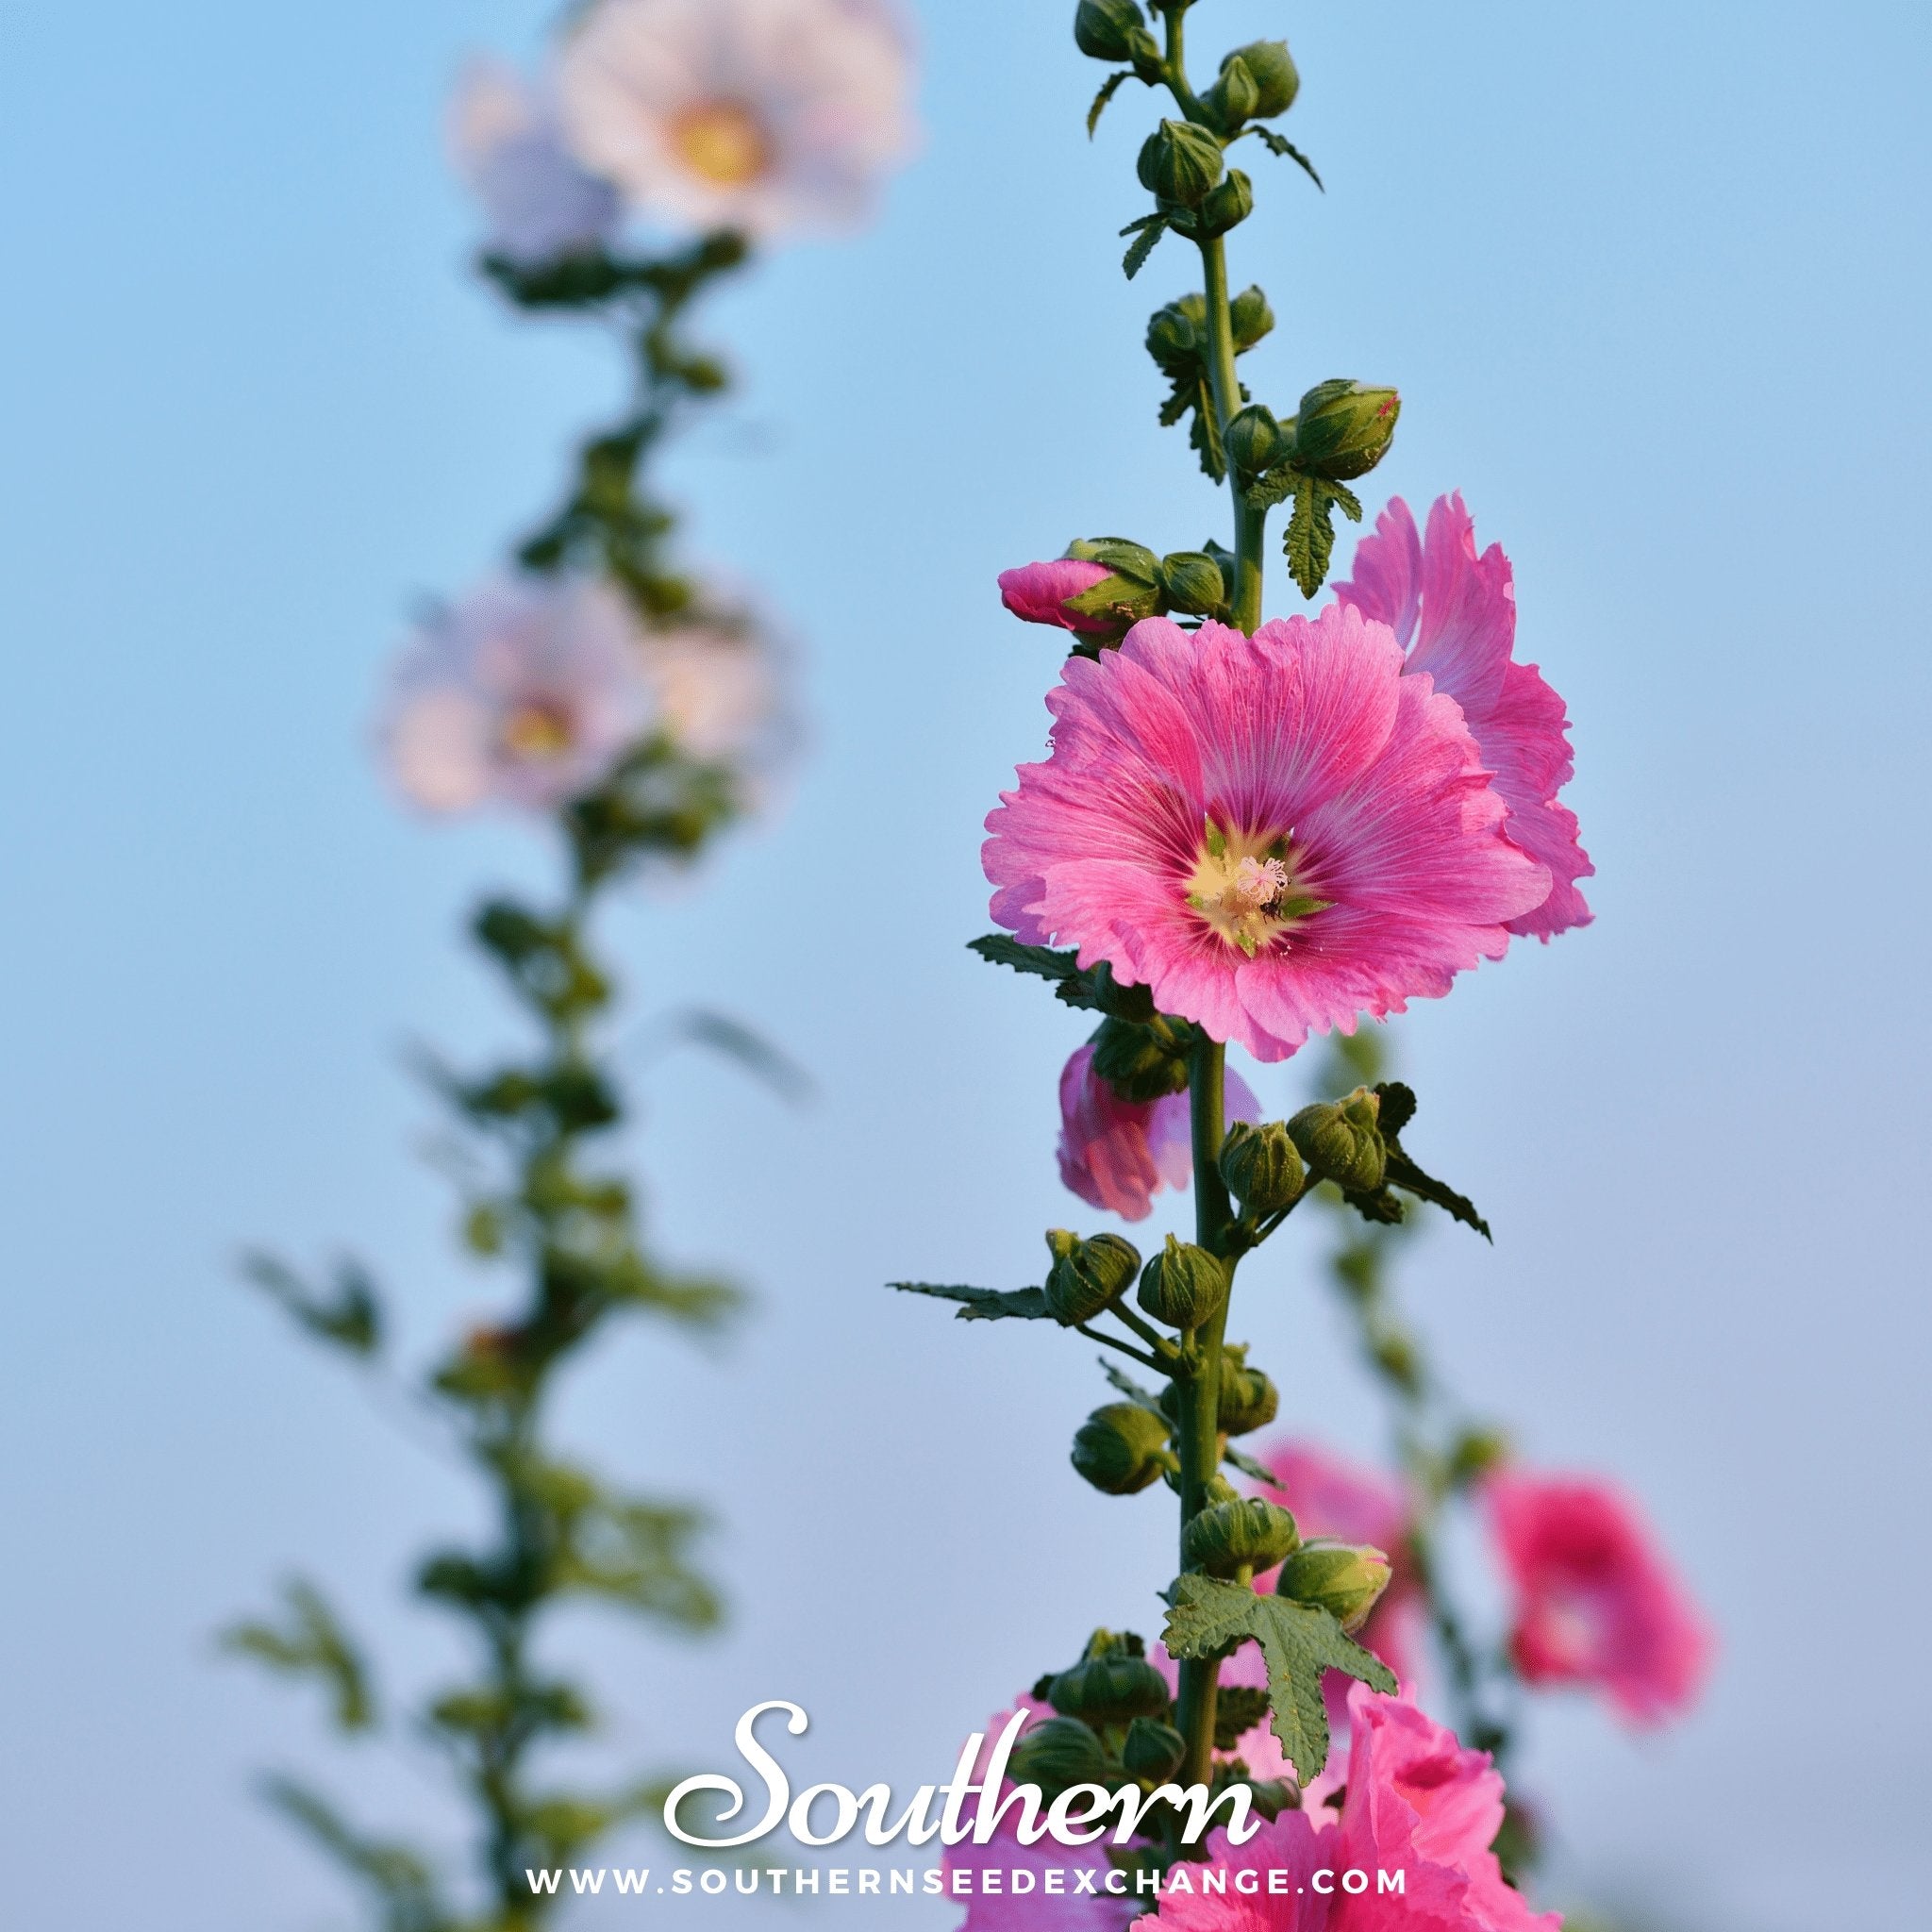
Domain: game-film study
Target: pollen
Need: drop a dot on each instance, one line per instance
(1244, 887)
(722, 143)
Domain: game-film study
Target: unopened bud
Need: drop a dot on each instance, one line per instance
(1250, 318)
(1252, 1534)
(1121, 1448)
(1113, 31)
(1248, 1399)
(1343, 429)
(1224, 207)
(1109, 1688)
(1273, 74)
(1179, 163)
(1475, 1452)
(1233, 97)
(1058, 1755)
(1341, 1141)
(1191, 580)
(1182, 1285)
(1177, 335)
(1137, 1062)
(1153, 1750)
(1088, 1277)
(1262, 1168)
(1255, 442)
(1344, 1580)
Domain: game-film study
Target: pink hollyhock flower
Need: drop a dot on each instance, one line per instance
(1597, 1601)
(506, 144)
(1273, 834)
(1039, 592)
(759, 115)
(525, 694)
(1416, 1803)
(1455, 613)
(1118, 1154)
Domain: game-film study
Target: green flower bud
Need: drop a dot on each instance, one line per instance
(1121, 1448)
(1190, 581)
(1179, 163)
(1262, 1168)
(1113, 31)
(1343, 429)
(1224, 207)
(1255, 442)
(1342, 1578)
(1234, 97)
(1177, 335)
(1128, 592)
(1087, 1276)
(1120, 554)
(1248, 1399)
(1273, 74)
(1137, 1062)
(1058, 1755)
(1250, 317)
(1153, 1750)
(1341, 1141)
(1182, 1285)
(1109, 1689)
(1252, 1534)
(1475, 1452)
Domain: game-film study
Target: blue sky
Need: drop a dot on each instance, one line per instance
(1653, 283)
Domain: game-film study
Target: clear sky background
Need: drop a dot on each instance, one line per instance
(1653, 282)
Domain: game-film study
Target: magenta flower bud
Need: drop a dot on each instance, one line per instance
(1039, 594)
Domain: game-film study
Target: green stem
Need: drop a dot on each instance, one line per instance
(1249, 523)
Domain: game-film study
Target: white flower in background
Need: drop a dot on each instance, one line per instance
(541, 203)
(720, 690)
(525, 694)
(761, 115)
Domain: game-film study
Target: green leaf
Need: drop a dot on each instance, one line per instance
(985, 1304)
(1310, 539)
(1280, 145)
(1205, 434)
(1094, 991)
(1238, 1709)
(1298, 1642)
(1241, 1459)
(1273, 485)
(1146, 232)
(351, 1318)
(1132, 1390)
(749, 1048)
(1109, 88)
(1398, 1110)
(310, 1642)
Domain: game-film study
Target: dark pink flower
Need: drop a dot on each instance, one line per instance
(1273, 834)
(1416, 1804)
(1118, 1154)
(1597, 1601)
(1454, 614)
(1038, 591)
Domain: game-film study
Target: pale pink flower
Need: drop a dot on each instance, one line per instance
(1039, 592)
(541, 203)
(1119, 1154)
(1596, 1599)
(525, 694)
(721, 690)
(1416, 1803)
(1182, 754)
(1454, 614)
(766, 116)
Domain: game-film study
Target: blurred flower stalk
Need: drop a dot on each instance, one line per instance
(634, 708)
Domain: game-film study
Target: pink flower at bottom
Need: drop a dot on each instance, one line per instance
(1038, 593)
(1597, 1601)
(1416, 1804)
(1118, 1154)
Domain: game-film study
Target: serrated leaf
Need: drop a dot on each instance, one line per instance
(1002, 949)
(1272, 486)
(1398, 1104)
(1310, 541)
(310, 1642)
(1398, 1110)
(1095, 990)
(1241, 1459)
(1280, 145)
(1150, 228)
(1298, 1642)
(1109, 88)
(985, 1304)
(1237, 1709)
(1125, 1383)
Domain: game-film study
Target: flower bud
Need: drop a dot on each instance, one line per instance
(1343, 430)
(1342, 1578)
(1177, 335)
(1109, 1688)
(1248, 1399)
(1341, 1141)
(1251, 1534)
(1058, 1755)
(1153, 1750)
(1115, 603)
(1182, 1285)
(1233, 97)
(1190, 581)
(1121, 1448)
(1250, 317)
(1262, 1168)
(1273, 74)
(1224, 207)
(1113, 31)
(1137, 1062)
(1255, 442)
(1179, 163)
(1088, 1277)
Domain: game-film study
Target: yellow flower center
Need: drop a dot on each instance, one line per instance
(1243, 886)
(537, 730)
(722, 143)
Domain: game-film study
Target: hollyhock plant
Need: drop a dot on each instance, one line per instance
(1597, 1601)
(525, 694)
(1039, 594)
(719, 688)
(764, 116)
(1119, 1154)
(1274, 834)
(541, 203)
(1454, 612)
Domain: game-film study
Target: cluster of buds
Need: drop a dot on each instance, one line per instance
(1104, 586)
(1341, 431)
(1341, 1141)
(1087, 1278)
(1111, 1723)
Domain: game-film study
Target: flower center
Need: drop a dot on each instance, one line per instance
(722, 143)
(1243, 885)
(537, 730)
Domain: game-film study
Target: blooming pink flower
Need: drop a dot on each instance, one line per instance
(1416, 1803)
(1455, 613)
(506, 143)
(1118, 1154)
(1183, 754)
(1039, 592)
(1597, 1601)
(525, 694)
(762, 115)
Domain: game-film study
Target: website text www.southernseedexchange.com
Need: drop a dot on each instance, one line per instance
(867, 1881)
